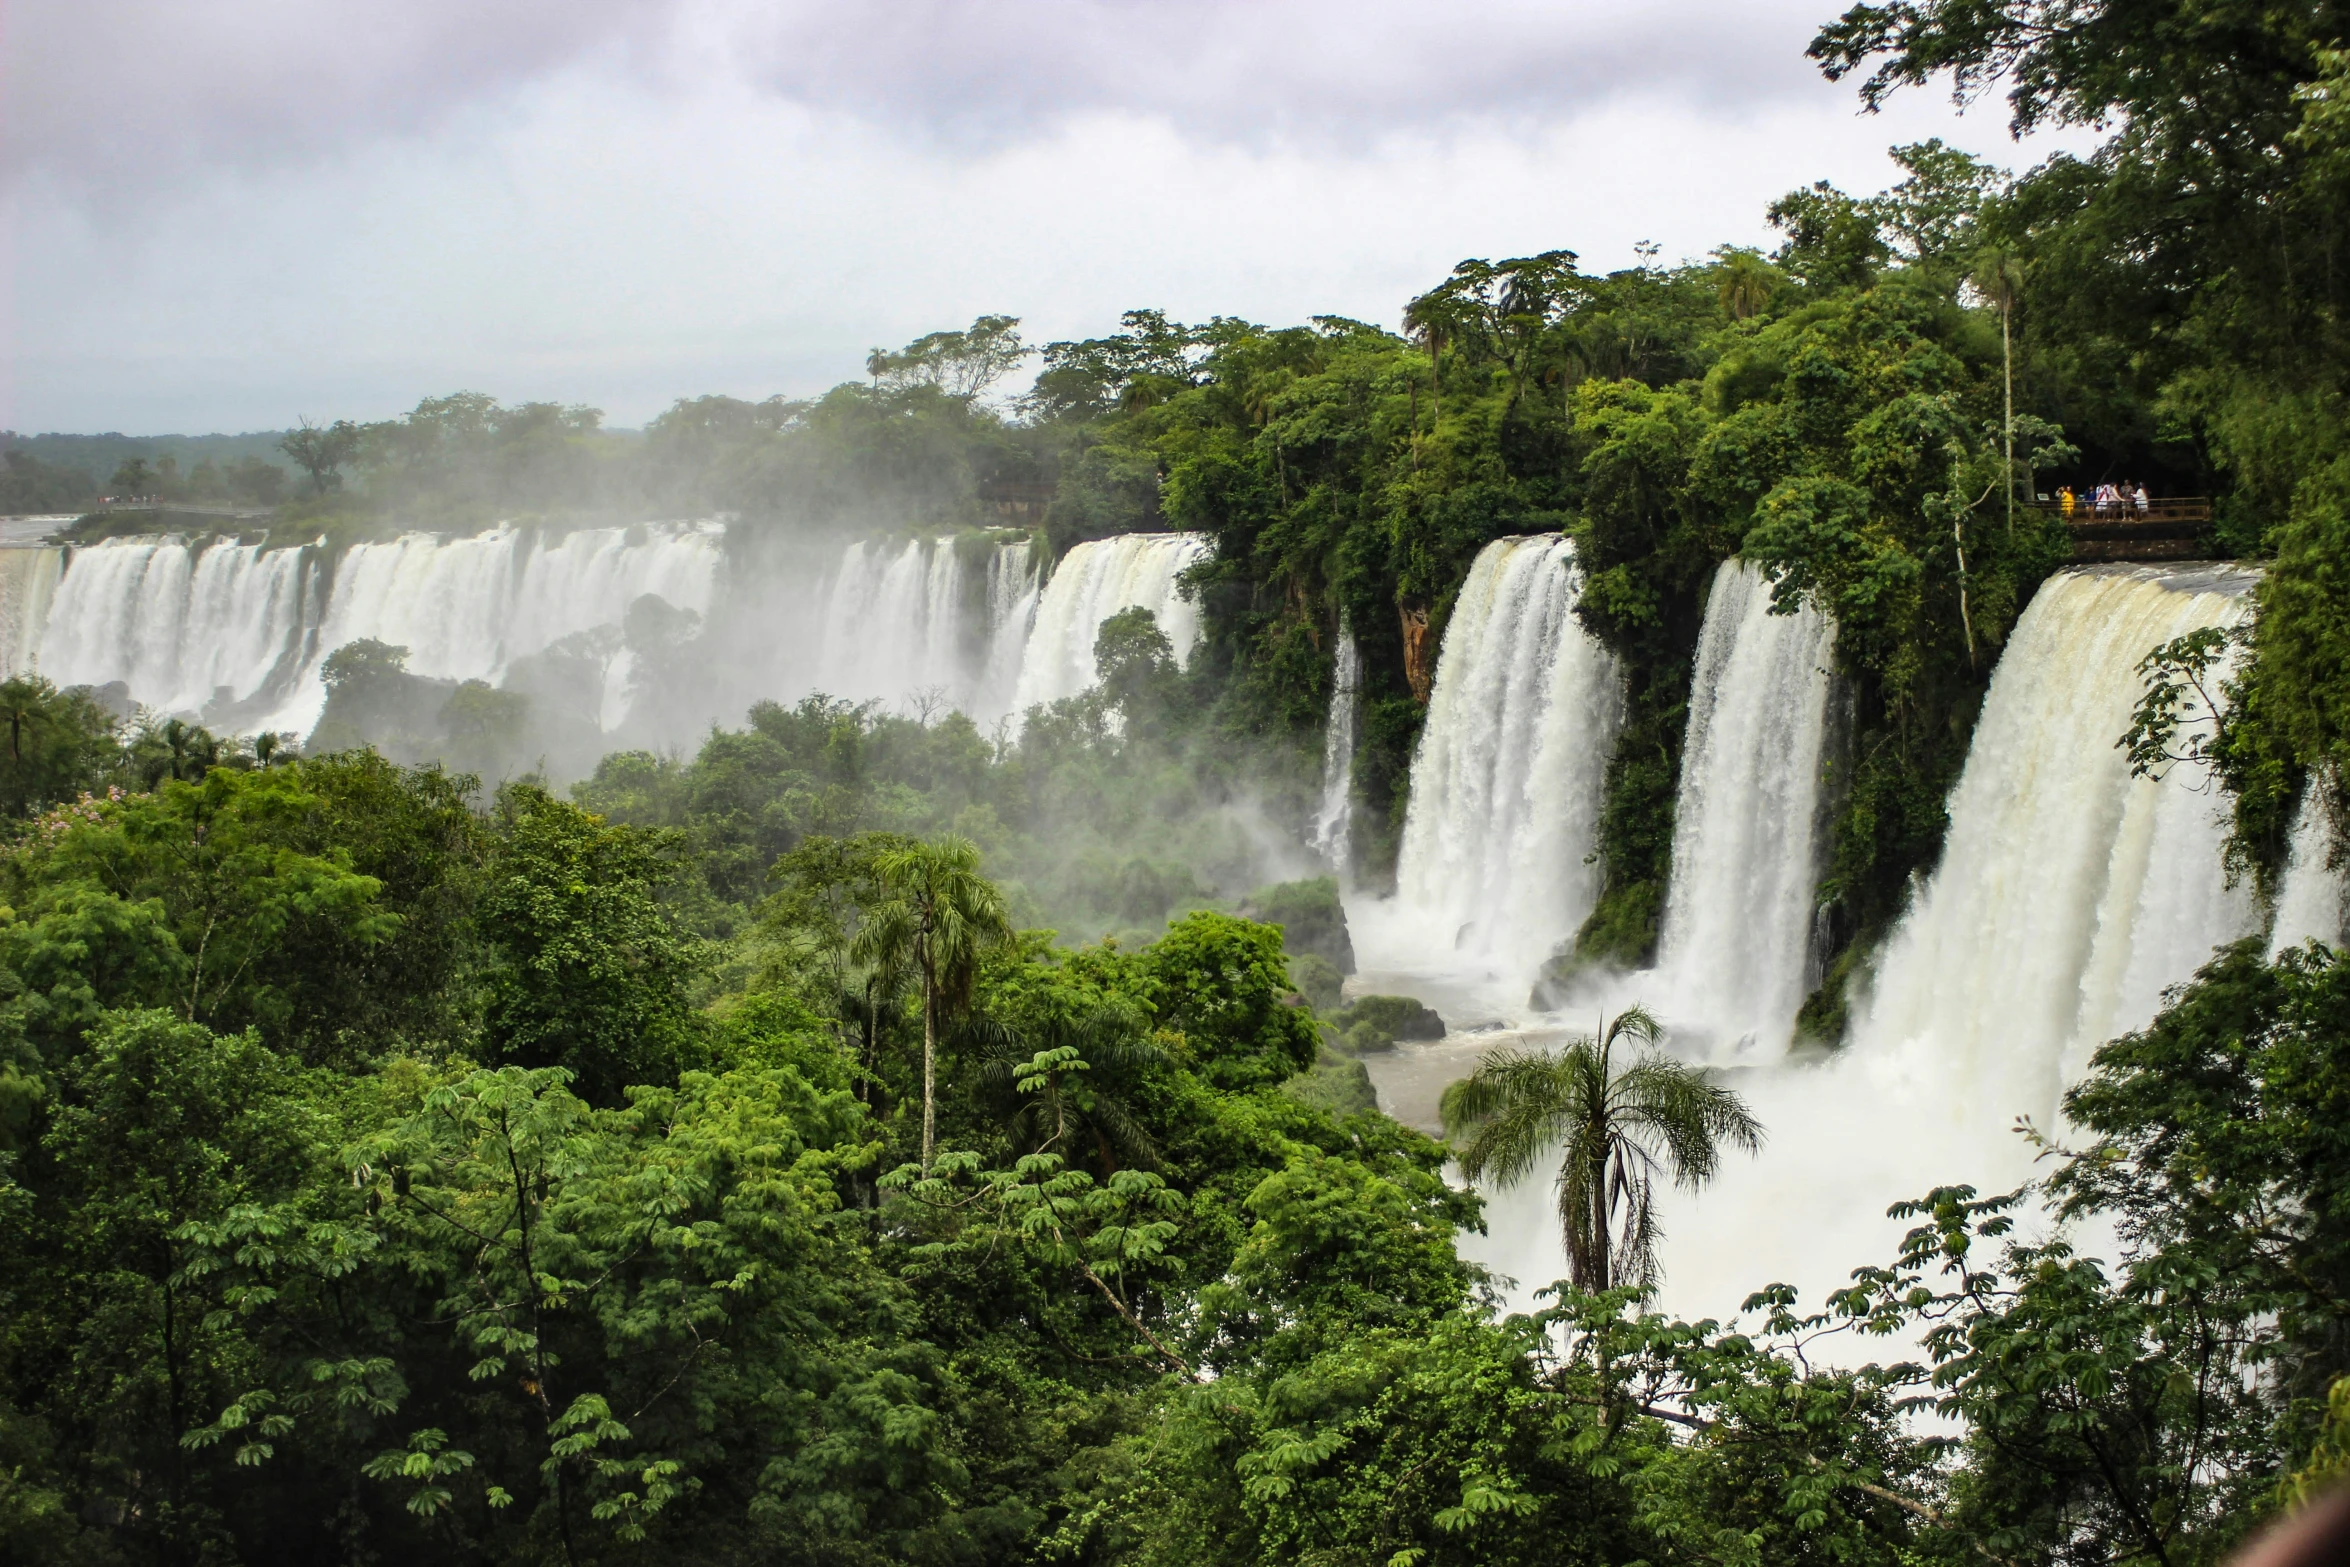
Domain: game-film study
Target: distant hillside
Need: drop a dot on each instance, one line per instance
(64, 473)
(97, 456)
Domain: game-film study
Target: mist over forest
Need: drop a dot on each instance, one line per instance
(1679, 915)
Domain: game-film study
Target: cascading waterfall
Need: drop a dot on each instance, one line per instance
(893, 625)
(1332, 821)
(2310, 900)
(1507, 783)
(1093, 582)
(466, 608)
(185, 627)
(1737, 923)
(28, 581)
(1012, 593)
(2069, 894)
(236, 632)
(912, 622)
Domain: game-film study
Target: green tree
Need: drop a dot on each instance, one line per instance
(59, 744)
(213, 899)
(1618, 1128)
(322, 453)
(940, 917)
(586, 971)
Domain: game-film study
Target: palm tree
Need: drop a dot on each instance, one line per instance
(1743, 281)
(23, 706)
(1999, 278)
(1054, 1070)
(1619, 1127)
(940, 917)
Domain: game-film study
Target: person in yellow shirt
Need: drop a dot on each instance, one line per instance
(2065, 501)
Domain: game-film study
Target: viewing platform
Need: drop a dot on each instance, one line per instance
(2173, 528)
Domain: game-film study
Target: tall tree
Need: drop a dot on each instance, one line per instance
(1620, 1127)
(940, 917)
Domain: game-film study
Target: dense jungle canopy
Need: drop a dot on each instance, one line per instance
(398, 1169)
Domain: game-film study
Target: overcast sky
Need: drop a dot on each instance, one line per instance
(226, 215)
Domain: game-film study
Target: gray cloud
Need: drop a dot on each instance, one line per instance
(1241, 69)
(128, 92)
(109, 95)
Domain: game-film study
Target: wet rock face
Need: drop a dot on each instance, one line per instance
(1419, 651)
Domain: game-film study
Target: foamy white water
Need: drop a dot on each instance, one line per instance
(1090, 584)
(2310, 899)
(1494, 873)
(1731, 965)
(915, 623)
(28, 581)
(467, 607)
(184, 626)
(1334, 821)
(2069, 896)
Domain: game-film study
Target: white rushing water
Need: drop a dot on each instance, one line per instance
(183, 626)
(1090, 584)
(467, 607)
(2069, 896)
(28, 582)
(2310, 900)
(1333, 821)
(237, 632)
(915, 624)
(1495, 870)
(1732, 954)
(2070, 893)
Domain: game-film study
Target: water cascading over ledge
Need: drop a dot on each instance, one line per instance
(2070, 893)
(1333, 822)
(2311, 898)
(2068, 896)
(28, 581)
(185, 627)
(1732, 955)
(237, 632)
(1090, 584)
(1508, 780)
(914, 623)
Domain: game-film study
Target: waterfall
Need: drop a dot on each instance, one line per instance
(1093, 582)
(2068, 896)
(913, 621)
(28, 581)
(1333, 820)
(1507, 783)
(893, 625)
(1012, 592)
(236, 632)
(2310, 902)
(466, 608)
(187, 627)
(2070, 893)
(1737, 923)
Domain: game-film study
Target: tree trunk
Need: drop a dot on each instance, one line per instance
(929, 1057)
(2007, 366)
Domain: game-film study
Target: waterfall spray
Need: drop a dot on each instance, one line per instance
(2310, 900)
(1495, 870)
(1737, 921)
(1333, 821)
(1093, 582)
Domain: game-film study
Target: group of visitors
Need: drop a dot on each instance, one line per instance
(2106, 500)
